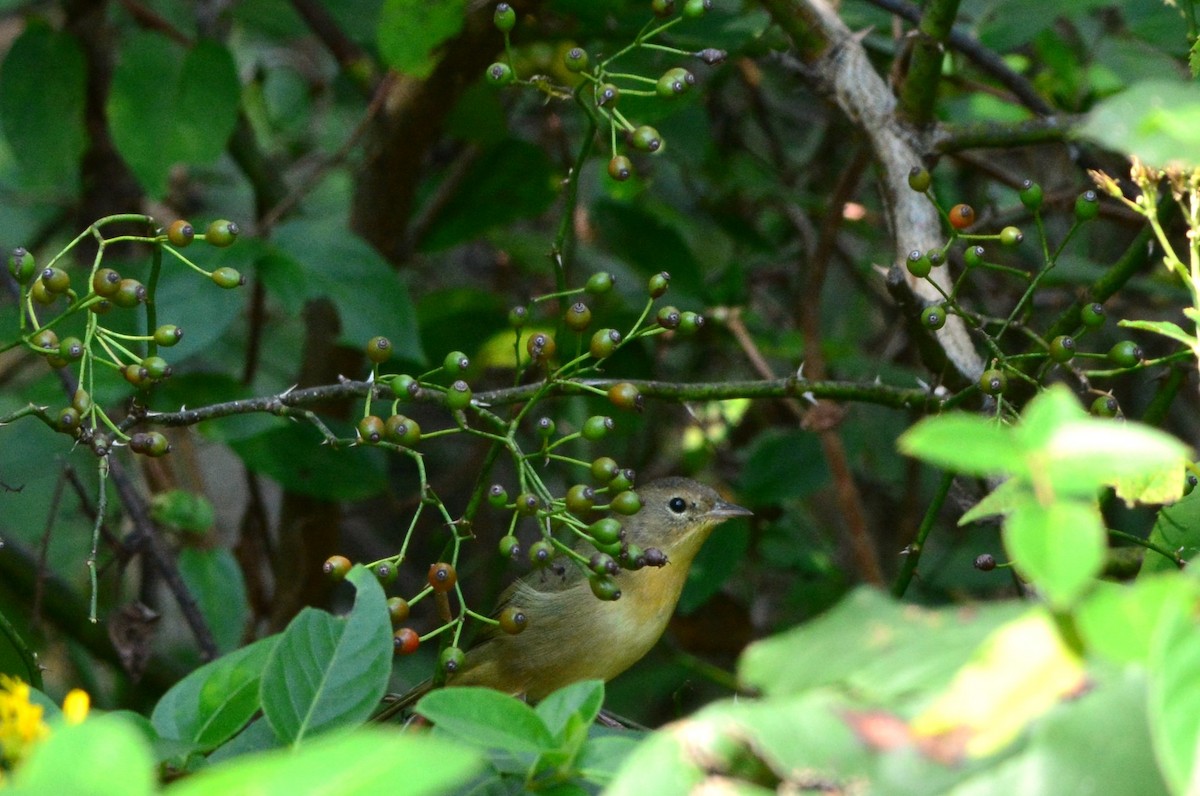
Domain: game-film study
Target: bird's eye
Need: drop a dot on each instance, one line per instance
(677, 505)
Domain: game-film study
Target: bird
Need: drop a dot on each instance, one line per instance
(571, 635)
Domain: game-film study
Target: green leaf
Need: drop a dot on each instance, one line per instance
(1004, 499)
(487, 718)
(1165, 328)
(326, 671)
(42, 100)
(214, 578)
(1080, 456)
(101, 756)
(206, 105)
(582, 700)
(183, 510)
(294, 456)
(602, 755)
(1174, 694)
(1156, 120)
(1176, 528)
(966, 444)
(1119, 620)
(214, 702)
(369, 760)
(410, 30)
(517, 170)
(782, 466)
(1059, 548)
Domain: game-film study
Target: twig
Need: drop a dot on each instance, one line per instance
(912, 553)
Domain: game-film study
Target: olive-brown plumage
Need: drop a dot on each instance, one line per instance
(571, 634)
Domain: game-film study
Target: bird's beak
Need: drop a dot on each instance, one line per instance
(724, 511)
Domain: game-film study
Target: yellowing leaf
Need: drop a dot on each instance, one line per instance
(1022, 670)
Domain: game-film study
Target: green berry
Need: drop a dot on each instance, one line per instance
(371, 429)
(646, 139)
(504, 18)
(336, 567)
(149, 443)
(68, 419)
(130, 293)
(1087, 206)
(56, 280)
(40, 294)
(82, 401)
(632, 557)
(973, 256)
(459, 395)
(45, 341)
(136, 375)
(604, 587)
(499, 74)
(624, 395)
(604, 343)
(510, 546)
(606, 531)
(690, 322)
(936, 257)
(1126, 354)
(918, 264)
(1031, 194)
(228, 278)
(1011, 236)
(451, 660)
(497, 496)
(398, 609)
(578, 317)
(919, 179)
(221, 233)
(575, 59)
(456, 363)
(402, 430)
(662, 8)
(403, 386)
(658, 284)
(626, 503)
(604, 469)
(541, 553)
(385, 572)
(580, 499)
(694, 9)
(156, 368)
(379, 349)
(621, 481)
(540, 346)
(669, 317)
(21, 264)
(993, 381)
(106, 282)
(168, 335)
(71, 348)
(607, 96)
(933, 317)
(513, 620)
(1062, 348)
(599, 283)
(1092, 315)
(674, 82)
(545, 427)
(528, 504)
(620, 168)
(181, 234)
(597, 427)
(517, 317)
(101, 307)
(603, 564)
(1105, 406)
(1189, 483)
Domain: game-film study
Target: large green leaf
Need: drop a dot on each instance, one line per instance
(411, 30)
(103, 756)
(966, 444)
(328, 672)
(1177, 528)
(1175, 694)
(42, 98)
(1060, 547)
(486, 718)
(211, 704)
(1156, 120)
(294, 456)
(214, 578)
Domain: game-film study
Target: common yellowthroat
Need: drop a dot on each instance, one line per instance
(574, 636)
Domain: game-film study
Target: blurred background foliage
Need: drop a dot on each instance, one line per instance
(383, 188)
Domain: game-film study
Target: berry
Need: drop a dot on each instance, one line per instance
(669, 317)
(626, 396)
(405, 641)
(662, 8)
(694, 9)
(580, 499)
(106, 282)
(919, 179)
(385, 572)
(528, 503)
(621, 481)
(646, 139)
(962, 216)
(513, 620)
(540, 553)
(397, 607)
(168, 335)
(603, 564)
(607, 95)
(936, 257)
(626, 503)
(1087, 206)
(632, 557)
(336, 567)
(149, 443)
(136, 375)
(606, 531)
(599, 283)
(604, 587)
(1011, 236)
(674, 82)
(1189, 483)
(604, 469)
(545, 427)
(985, 562)
(510, 546)
(497, 496)
(604, 343)
(655, 557)
(993, 382)
(658, 284)
(129, 294)
(181, 233)
(101, 307)
(499, 74)
(379, 349)
(455, 363)
(1092, 315)
(451, 660)
(711, 55)
(540, 346)
(371, 429)
(68, 419)
(1126, 354)
(505, 19)
(690, 322)
(156, 368)
(575, 59)
(56, 280)
(21, 264)
(402, 430)
(933, 317)
(918, 264)
(442, 576)
(1062, 348)
(221, 233)
(40, 294)
(973, 256)
(1031, 194)
(620, 168)
(517, 317)
(597, 427)
(228, 278)
(71, 348)
(578, 317)
(459, 395)
(82, 401)
(403, 386)
(45, 341)
(1105, 406)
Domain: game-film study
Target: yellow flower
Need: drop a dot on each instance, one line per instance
(21, 723)
(75, 706)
